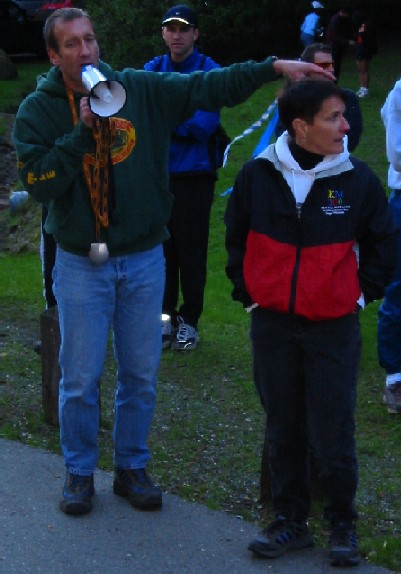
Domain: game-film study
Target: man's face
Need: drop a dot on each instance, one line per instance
(180, 39)
(77, 46)
(325, 135)
(324, 61)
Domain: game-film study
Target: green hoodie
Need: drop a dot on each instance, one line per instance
(50, 150)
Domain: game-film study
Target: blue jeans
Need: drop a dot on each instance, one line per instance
(389, 324)
(125, 294)
(307, 39)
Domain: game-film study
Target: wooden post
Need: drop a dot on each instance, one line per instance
(50, 347)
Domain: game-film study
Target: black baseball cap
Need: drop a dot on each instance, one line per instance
(181, 13)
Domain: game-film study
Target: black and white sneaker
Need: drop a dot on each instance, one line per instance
(185, 338)
(281, 535)
(343, 545)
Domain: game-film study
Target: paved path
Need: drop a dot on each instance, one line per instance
(184, 538)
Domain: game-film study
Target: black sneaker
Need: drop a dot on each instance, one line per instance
(280, 536)
(343, 545)
(77, 494)
(136, 485)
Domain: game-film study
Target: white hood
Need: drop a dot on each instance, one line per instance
(299, 180)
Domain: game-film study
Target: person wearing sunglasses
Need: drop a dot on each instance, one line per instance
(321, 55)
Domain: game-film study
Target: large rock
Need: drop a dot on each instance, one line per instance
(8, 70)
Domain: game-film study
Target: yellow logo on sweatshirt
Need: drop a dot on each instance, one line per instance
(31, 179)
(123, 141)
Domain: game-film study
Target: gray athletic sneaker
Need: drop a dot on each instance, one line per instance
(166, 331)
(393, 398)
(185, 338)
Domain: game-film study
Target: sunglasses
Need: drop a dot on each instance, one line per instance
(324, 65)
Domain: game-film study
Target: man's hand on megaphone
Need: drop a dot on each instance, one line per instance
(87, 116)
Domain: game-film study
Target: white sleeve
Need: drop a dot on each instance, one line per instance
(393, 131)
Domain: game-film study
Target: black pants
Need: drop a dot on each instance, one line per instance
(186, 250)
(338, 53)
(48, 255)
(306, 376)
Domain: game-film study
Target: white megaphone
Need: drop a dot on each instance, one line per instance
(105, 98)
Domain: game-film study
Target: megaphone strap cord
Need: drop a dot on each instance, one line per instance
(98, 184)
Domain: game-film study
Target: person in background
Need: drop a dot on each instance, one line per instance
(310, 27)
(105, 183)
(320, 54)
(304, 219)
(389, 324)
(366, 48)
(48, 256)
(192, 180)
(48, 259)
(340, 35)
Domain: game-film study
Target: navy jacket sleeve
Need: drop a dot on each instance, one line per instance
(377, 240)
(237, 221)
(353, 115)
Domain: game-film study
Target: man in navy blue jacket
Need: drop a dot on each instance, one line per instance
(192, 179)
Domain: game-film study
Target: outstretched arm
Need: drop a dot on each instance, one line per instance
(295, 70)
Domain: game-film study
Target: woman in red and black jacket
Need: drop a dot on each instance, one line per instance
(310, 240)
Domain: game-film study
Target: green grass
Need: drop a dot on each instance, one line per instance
(208, 429)
(12, 91)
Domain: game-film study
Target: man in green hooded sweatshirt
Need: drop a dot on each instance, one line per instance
(105, 183)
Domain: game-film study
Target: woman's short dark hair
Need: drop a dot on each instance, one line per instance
(304, 99)
(61, 15)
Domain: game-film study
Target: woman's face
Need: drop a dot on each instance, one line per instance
(325, 135)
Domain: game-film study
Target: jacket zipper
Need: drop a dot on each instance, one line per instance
(295, 272)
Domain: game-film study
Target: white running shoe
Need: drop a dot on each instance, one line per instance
(362, 92)
(166, 331)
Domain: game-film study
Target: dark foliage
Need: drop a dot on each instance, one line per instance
(129, 31)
